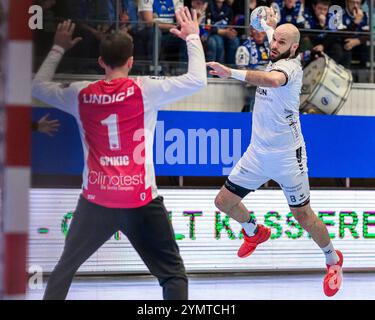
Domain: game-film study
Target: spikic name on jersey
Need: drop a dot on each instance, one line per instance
(114, 161)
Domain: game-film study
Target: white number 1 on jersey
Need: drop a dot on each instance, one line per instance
(113, 131)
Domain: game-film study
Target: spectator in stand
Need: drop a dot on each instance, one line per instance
(355, 18)
(253, 54)
(161, 12)
(342, 49)
(222, 41)
(316, 18)
(127, 16)
(103, 18)
(291, 11)
(128, 11)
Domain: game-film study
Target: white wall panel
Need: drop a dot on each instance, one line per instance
(361, 101)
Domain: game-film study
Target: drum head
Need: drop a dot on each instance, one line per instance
(312, 75)
(326, 85)
(337, 79)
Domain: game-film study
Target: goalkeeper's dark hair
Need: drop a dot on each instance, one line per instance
(116, 48)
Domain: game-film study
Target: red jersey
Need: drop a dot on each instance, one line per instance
(117, 120)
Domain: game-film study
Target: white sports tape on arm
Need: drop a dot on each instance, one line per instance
(238, 74)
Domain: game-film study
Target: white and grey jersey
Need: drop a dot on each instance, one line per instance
(276, 124)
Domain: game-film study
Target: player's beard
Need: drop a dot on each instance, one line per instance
(284, 55)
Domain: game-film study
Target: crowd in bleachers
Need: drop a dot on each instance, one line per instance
(223, 29)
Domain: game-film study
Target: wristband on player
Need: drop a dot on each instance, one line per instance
(238, 74)
(58, 49)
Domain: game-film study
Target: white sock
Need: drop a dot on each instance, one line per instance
(250, 227)
(330, 253)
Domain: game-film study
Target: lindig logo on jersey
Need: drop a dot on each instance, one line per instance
(106, 98)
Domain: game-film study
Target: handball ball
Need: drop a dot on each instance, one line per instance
(256, 16)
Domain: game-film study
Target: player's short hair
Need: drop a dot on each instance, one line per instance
(116, 48)
(323, 2)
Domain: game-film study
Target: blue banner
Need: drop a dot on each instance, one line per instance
(210, 144)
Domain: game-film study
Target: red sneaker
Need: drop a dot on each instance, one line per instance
(333, 279)
(250, 243)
